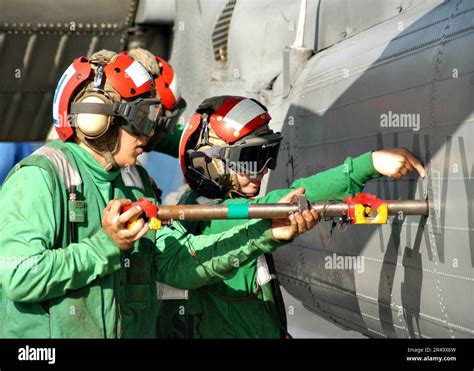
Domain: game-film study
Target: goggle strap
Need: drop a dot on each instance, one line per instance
(214, 152)
(218, 152)
(93, 108)
(265, 165)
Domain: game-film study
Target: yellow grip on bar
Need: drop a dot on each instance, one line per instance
(362, 214)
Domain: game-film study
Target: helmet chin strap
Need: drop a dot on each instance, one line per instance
(236, 194)
(234, 187)
(232, 193)
(104, 146)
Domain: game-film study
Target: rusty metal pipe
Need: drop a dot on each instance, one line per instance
(276, 210)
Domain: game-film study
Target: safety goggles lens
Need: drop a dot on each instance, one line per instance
(261, 156)
(155, 111)
(253, 158)
(145, 118)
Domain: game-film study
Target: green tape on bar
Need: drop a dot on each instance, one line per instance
(238, 211)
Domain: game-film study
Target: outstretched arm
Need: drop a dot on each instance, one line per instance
(350, 177)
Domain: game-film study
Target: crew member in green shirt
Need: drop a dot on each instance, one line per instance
(168, 129)
(226, 149)
(69, 266)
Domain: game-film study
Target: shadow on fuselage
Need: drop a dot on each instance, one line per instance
(351, 126)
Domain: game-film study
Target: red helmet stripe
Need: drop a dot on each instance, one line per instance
(166, 84)
(242, 116)
(228, 105)
(243, 113)
(255, 123)
(78, 72)
(188, 131)
(63, 82)
(174, 89)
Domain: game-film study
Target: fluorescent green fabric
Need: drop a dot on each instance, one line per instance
(169, 145)
(90, 289)
(224, 309)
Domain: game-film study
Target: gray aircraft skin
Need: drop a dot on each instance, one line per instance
(340, 78)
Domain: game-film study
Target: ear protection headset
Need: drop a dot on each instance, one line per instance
(205, 161)
(94, 125)
(91, 105)
(203, 171)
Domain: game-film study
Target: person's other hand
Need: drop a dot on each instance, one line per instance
(396, 162)
(297, 223)
(115, 224)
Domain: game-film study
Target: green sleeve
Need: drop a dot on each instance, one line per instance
(333, 184)
(186, 261)
(34, 269)
(169, 144)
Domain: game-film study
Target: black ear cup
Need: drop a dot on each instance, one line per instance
(204, 185)
(199, 178)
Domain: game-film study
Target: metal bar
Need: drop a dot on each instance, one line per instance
(408, 207)
(277, 210)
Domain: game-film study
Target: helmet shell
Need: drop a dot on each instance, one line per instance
(166, 85)
(238, 117)
(126, 76)
(230, 118)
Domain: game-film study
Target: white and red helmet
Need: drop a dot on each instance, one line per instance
(224, 132)
(127, 77)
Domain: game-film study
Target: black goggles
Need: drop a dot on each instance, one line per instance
(253, 155)
(140, 115)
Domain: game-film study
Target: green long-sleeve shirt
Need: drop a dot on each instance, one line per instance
(50, 287)
(225, 309)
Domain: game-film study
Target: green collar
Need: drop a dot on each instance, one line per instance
(86, 161)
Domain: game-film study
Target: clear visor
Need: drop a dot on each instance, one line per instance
(142, 115)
